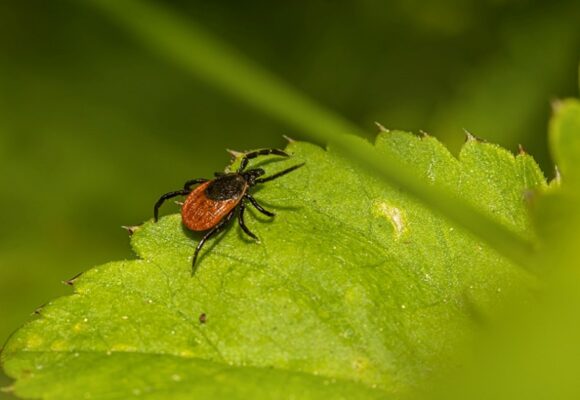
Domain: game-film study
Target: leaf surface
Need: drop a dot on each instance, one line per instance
(356, 291)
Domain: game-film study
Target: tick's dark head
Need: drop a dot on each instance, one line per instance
(252, 174)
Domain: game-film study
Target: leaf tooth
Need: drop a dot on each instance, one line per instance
(470, 137)
(131, 229)
(521, 150)
(234, 153)
(381, 127)
(38, 310)
(71, 281)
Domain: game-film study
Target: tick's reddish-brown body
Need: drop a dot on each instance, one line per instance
(203, 209)
(212, 204)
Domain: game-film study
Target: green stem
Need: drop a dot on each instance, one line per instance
(197, 52)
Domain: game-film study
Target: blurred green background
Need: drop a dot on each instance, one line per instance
(94, 127)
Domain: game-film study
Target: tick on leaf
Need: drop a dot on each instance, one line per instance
(212, 204)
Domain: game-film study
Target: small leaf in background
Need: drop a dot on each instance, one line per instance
(565, 137)
(356, 291)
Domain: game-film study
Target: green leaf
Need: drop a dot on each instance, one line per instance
(356, 291)
(565, 137)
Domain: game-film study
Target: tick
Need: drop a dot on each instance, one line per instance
(212, 204)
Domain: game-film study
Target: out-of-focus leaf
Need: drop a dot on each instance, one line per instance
(532, 351)
(565, 138)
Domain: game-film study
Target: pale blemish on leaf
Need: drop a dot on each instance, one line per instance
(34, 342)
(123, 347)
(355, 295)
(59, 345)
(360, 364)
(395, 215)
(187, 353)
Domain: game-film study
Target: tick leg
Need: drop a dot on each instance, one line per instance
(165, 197)
(263, 152)
(243, 224)
(191, 182)
(279, 174)
(209, 234)
(258, 206)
